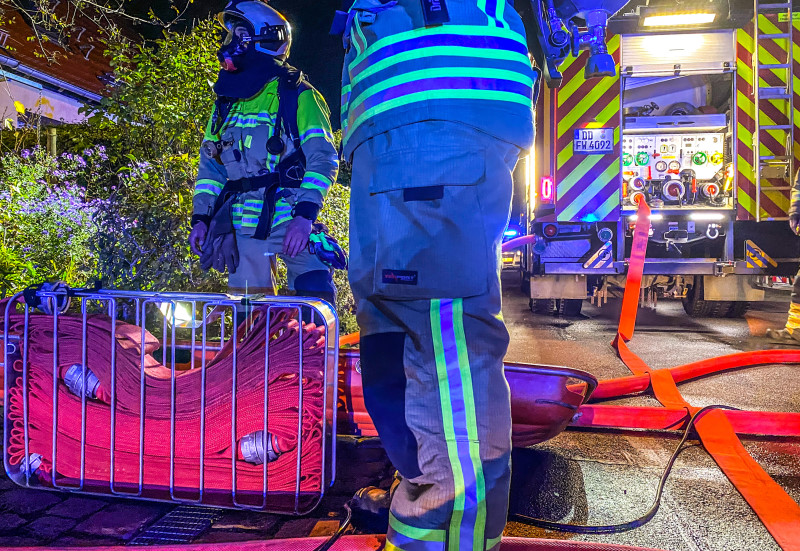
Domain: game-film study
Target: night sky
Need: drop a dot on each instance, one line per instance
(315, 52)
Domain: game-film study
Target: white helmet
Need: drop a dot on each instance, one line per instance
(271, 32)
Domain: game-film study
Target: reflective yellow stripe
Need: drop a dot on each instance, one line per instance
(794, 317)
(448, 424)
(471, 415)
(411, 532)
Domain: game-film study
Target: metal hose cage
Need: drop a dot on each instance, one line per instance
(206, 331)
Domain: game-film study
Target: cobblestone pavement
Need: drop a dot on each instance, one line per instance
(579, 476)
(34, 517)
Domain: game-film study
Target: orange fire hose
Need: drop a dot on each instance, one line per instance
(776, 509)
(717, 429)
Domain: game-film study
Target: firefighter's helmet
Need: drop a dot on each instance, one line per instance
(270, 32)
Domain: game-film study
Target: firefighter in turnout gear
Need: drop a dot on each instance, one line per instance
(437, 107)
(267, 162)
(790, 334)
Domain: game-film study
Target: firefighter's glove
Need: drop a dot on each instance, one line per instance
(220, 251)
(794, 223)
(198, 237)
(327, 249)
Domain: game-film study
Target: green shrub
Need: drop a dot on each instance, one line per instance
(47, 218)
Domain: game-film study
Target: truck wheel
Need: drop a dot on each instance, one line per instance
(525, 286)
(738, 309)
(569, 307)
(542, 306)
(698, 308)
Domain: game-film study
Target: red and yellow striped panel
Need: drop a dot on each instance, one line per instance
(588, 187)
(774, 204)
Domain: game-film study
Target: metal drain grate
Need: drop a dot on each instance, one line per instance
(181, 525)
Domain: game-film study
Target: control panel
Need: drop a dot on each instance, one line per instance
(667, 169)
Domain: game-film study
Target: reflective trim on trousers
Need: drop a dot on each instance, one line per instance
(408, 538)
(468, 520)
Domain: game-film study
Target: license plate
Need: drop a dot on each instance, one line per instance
(593, 141)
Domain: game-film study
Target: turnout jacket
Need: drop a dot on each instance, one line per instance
(472, 69)
(244, 134)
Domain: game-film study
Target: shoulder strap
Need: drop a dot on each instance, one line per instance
(289, 90)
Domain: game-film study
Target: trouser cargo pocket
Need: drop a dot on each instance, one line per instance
(431, 237)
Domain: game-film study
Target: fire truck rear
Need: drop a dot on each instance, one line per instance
(699, 121)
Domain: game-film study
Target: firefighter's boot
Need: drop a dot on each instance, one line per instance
(784, 336)
(370, 507)
(789, 334)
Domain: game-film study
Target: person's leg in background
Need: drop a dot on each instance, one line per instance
(254, 275)
(306, 274)
(456, 401)
(790, 334)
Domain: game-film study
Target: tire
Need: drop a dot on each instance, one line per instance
(569, 307)
(699, 308)
(542, 306)
(738, 309)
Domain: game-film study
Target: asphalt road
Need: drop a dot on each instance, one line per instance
(610, 477)
(582, 477)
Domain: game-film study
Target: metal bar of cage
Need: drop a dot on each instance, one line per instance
(115, 304)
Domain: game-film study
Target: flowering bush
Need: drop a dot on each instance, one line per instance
(47, 217)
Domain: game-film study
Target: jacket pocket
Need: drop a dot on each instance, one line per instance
(232, 157)
(431, 240)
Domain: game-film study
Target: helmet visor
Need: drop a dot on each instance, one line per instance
(272, 36)
(232, 23)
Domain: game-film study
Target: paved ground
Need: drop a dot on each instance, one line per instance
(580, 477)
(603, 478)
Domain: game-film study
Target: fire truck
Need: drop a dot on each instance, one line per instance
(697, 118)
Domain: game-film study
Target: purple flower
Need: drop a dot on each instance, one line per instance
(25, 153)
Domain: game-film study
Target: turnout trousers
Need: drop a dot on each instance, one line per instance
(306, 273)
(429, 204)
